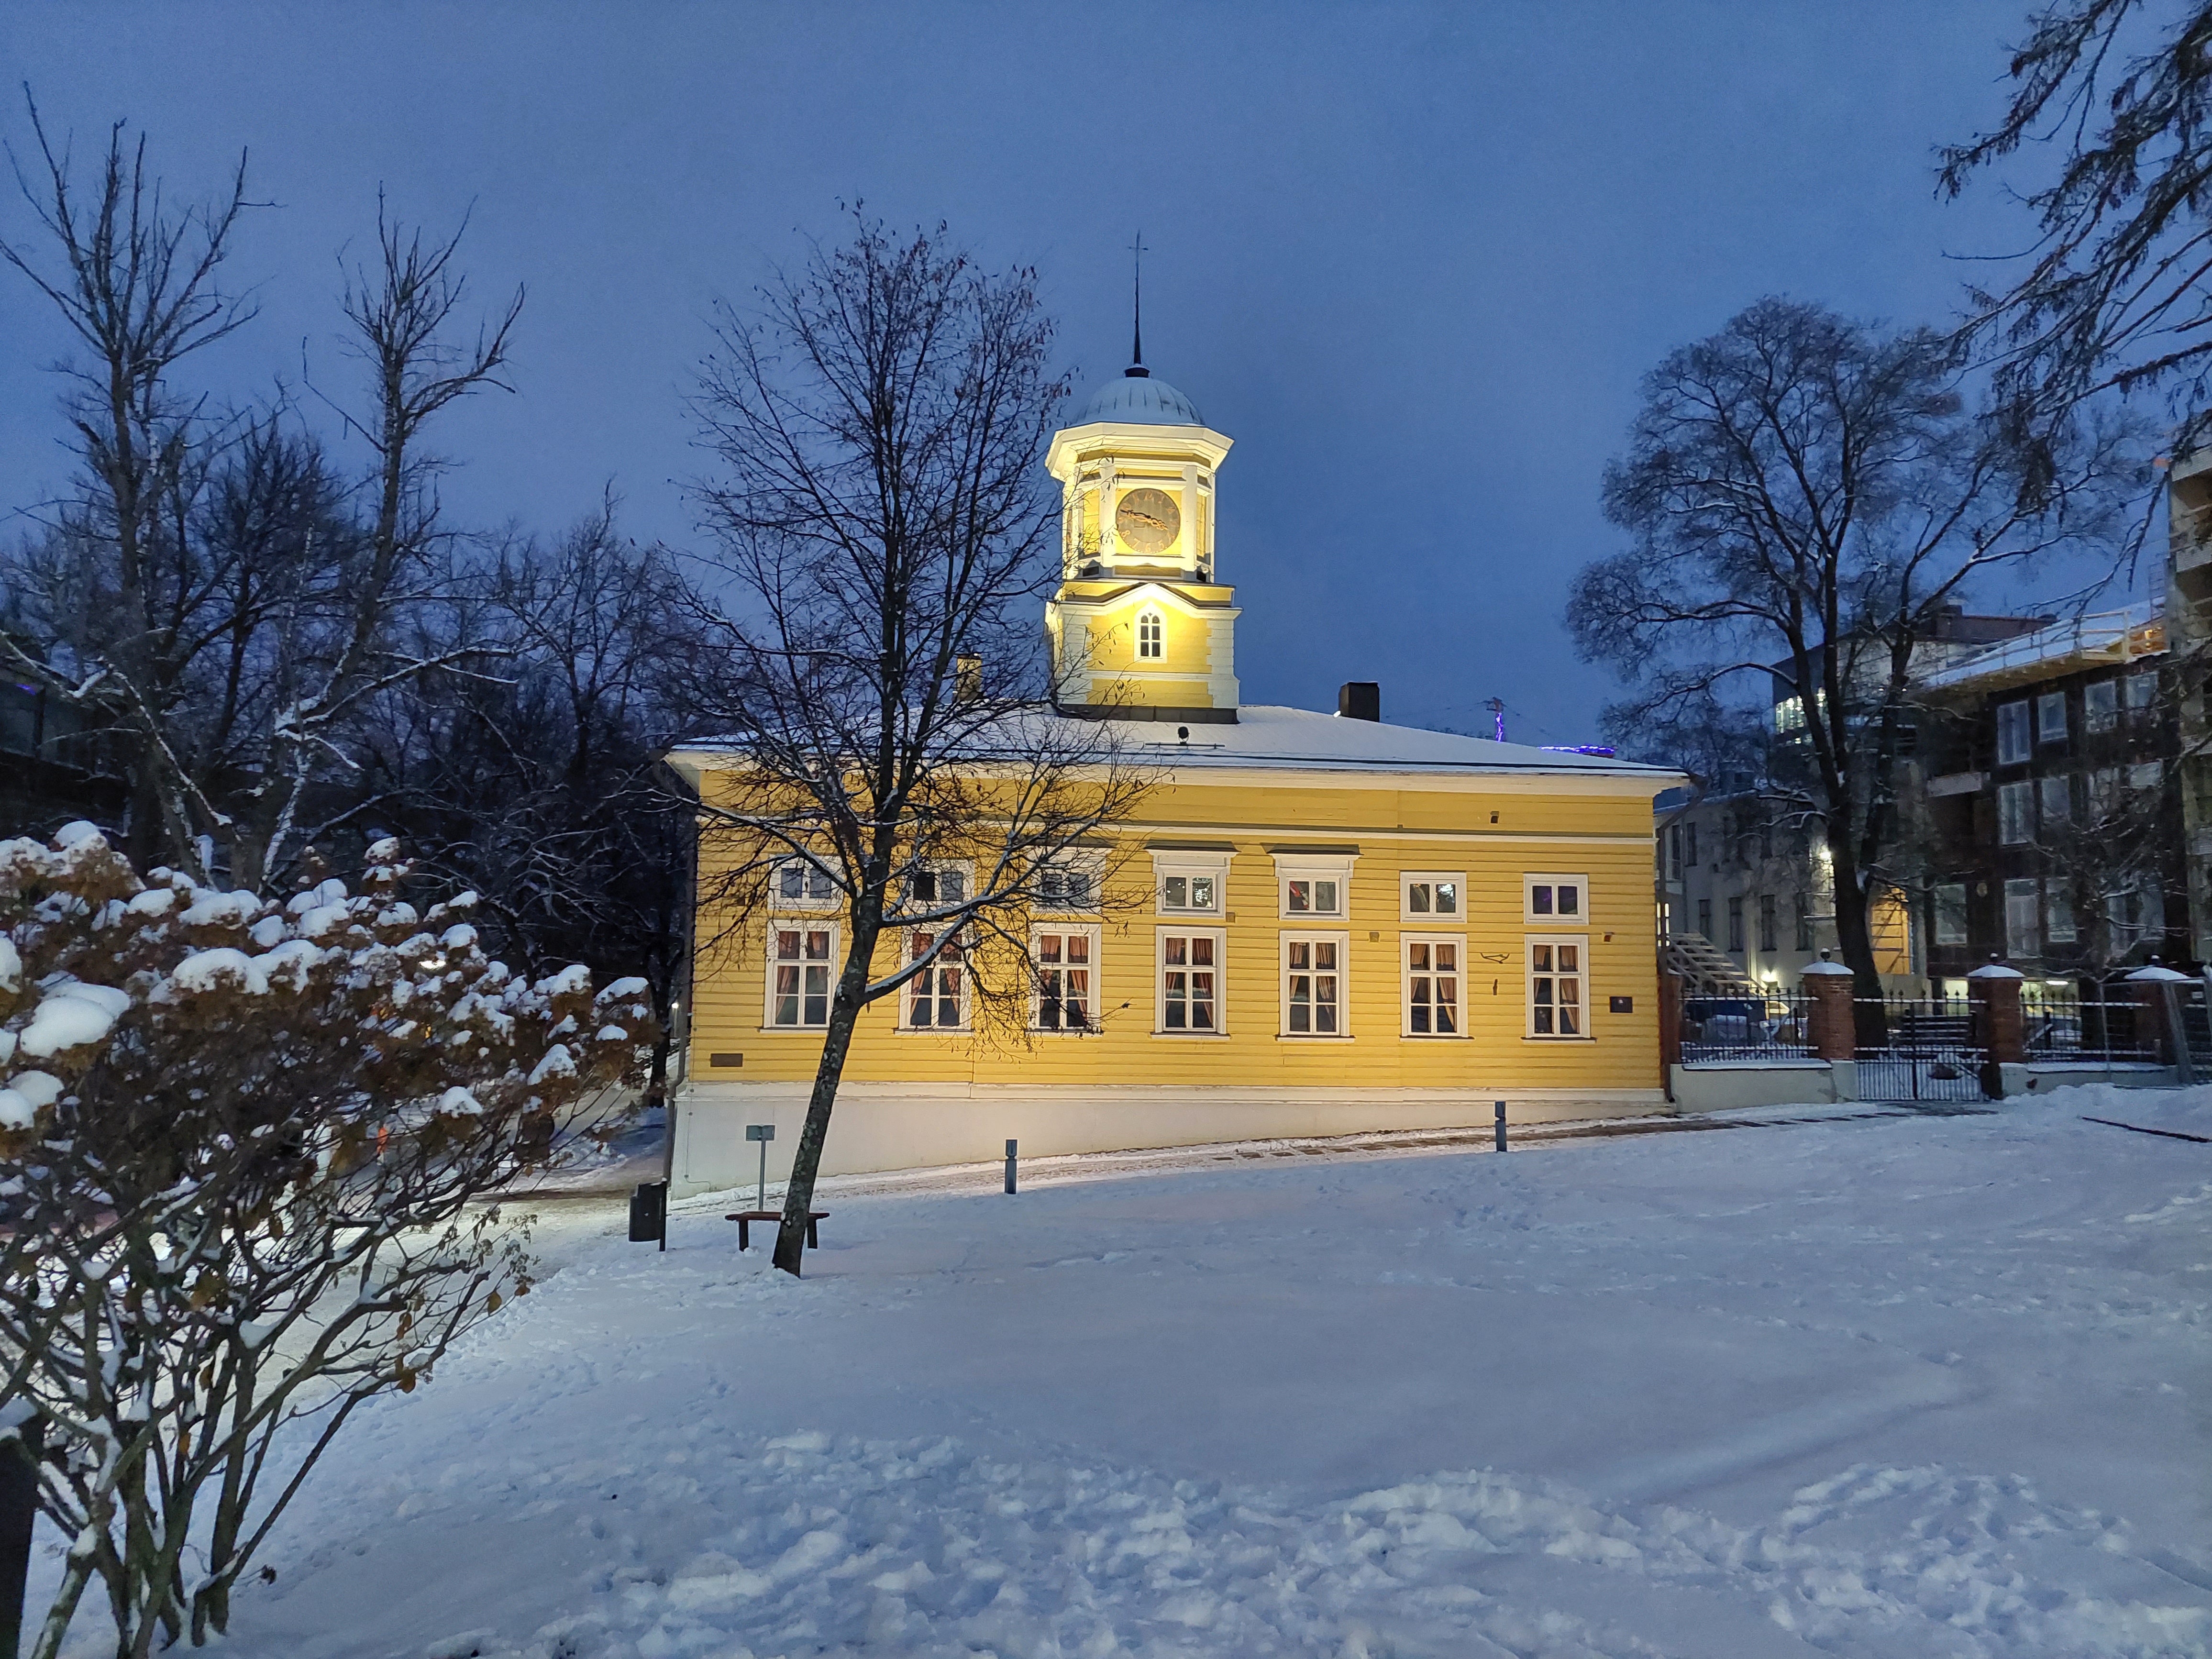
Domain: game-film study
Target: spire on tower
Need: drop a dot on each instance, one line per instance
(1137, 369)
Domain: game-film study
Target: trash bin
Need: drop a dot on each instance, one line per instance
(648, 1213)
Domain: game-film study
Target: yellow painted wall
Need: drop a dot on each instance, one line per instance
(1605, 837)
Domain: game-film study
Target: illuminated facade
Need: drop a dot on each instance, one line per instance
(1316, 924)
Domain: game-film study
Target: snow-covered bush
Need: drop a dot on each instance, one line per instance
(249, 1157)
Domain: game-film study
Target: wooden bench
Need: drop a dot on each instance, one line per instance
(744, 1219)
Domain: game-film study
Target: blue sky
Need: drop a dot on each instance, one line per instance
(1413, 259)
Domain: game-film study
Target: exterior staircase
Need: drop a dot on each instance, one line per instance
(1704, 971)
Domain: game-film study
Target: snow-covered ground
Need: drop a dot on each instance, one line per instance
(1889, 1386)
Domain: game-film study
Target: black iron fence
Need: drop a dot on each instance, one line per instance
(1718, 1030)
(2108, 1027)
(1918, 1049)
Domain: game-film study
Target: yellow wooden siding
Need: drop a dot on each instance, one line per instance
(728, 1009)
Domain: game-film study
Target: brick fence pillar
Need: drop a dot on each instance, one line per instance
(2000, 1024)
(1828, 1013)
(2158, 995)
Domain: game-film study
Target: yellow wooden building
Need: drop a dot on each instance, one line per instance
(1317, 924)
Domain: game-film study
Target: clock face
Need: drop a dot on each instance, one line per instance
(1147, 520)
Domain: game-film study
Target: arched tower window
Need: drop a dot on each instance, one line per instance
(1149, 633)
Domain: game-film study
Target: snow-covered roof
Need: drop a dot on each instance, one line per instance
(1141, 400)
(2103, 638)
(1273, 739)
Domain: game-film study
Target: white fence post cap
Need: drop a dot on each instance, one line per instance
(2156, 973)
(1825, 967)
(1995, 971)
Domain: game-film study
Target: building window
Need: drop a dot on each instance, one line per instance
(927, 889)
(2050, 717)
(1690, 841)
(1432, 985)
(1804, 924)
(1950, 914)
(1190, 982)
(2100, 705)
(1151, 633)
(1705, 920)
(1555, 898)
(801, 885)
(2136, 912)
(2145, 774)
(1066, 887)
(1674, 852)
(2058, 914)
(933, 996)
(2104, 787)
(1308, 884)
(799, 976)
(1555, 987)
(2055, 797)
(1428, 893)
(2019, 919)
(2014, 744)
(2016, 814)
(1313, 984)
(1187, 893)
(1065, 958)
(1766, 934)
(1735, 926)
(2142, 690)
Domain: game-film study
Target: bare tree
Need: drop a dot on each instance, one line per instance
(211, 593)
(2116, 293)
(880, 423)
(537, 783)
(136, 280)
(245, 1154)
(1806, 494)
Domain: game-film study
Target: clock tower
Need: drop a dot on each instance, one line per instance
(1139, 627)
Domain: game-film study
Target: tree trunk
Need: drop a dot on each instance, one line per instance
(806, 1157)
(18, 1508)
(1854, 937)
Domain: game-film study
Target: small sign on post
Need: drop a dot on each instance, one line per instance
(1011, 1146)
(764, 1132)
(1501, 1126)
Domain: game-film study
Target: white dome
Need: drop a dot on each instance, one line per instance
(1141, 400)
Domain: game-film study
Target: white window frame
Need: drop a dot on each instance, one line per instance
(2016, 814)
(1342, 973)
(2141, 690)
(1580, 974)
(1409, 879)
(1188, 864)
(1951, 921)
(1407, 973)
(1088, 930)
(831, 963)
(963, 868)
(1090, 867)
(1529, 884)
(1160, 970)
(1309, 868)
(2103, 719)
(2050, 717)
(2023, 917)
(1157, 639)
(806, 904)
(2054, 799)
(2058, 927)
(952, 959)
(2016, 733)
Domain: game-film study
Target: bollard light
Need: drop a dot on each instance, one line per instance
(1010, 1145)
(1501, 1126)
(764, 1132)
